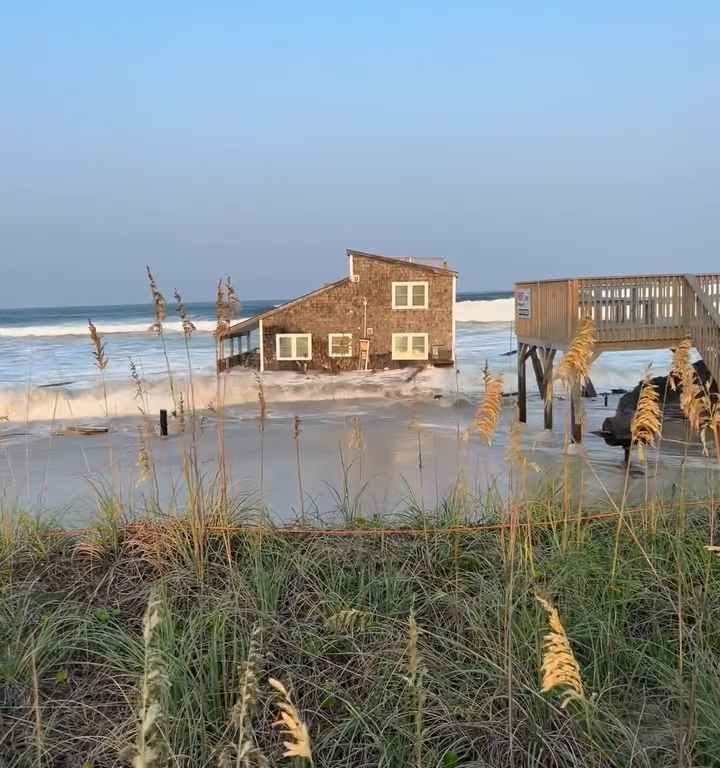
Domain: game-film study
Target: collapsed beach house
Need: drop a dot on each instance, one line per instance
(387, 313)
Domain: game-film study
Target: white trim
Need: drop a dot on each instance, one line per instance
(350, 265)
(349, 352)
(261, 344)
(410, 355)
(293, 337)
(410, 284)
(454, 300)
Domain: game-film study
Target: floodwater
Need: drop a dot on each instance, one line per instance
(369, 457)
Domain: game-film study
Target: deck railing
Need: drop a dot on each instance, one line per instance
(629, 312)
(634, 312)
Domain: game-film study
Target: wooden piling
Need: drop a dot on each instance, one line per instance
(522, 384)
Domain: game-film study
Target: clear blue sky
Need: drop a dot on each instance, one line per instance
(518, 140)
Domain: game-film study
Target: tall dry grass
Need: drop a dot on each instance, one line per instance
(101, 361)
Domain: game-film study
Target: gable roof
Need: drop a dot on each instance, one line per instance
(407, 261)
(252, 322)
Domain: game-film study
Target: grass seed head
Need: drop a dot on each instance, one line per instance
(159, 304)
(646, 424)
(559, 667)
(680, 363)
(101, 359)
(291, 724)
(232, 299)
(576, 362)
(262, 402)
(187, 324)
(487, 415)
(515, 455)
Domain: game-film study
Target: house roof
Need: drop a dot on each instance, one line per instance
(419, 264)
(252, 322)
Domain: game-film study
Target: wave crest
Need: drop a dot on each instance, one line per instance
(104, 329)
(483, 311)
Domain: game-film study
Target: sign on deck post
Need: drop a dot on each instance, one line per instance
(523, 303)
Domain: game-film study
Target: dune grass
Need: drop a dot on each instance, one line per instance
(407, 650)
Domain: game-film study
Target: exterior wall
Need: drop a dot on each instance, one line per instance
(340, 310)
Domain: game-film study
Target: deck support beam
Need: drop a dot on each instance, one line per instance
(542, 361)
(545, 385)
(523, 352)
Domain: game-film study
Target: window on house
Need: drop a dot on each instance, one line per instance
(340, 344)
(409, 346)
(293, 346)
(410, 295)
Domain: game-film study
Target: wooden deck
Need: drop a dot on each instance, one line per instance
(630, 313)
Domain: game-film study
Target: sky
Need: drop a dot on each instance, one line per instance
(518, 140)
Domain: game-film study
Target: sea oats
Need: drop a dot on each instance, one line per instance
(244, 753)
(150, 747)
(487, 415)
(415, 680)
(262, 402)
(680, 363)
(646, 424)
(232, 300)
(559, 667)
(291, 724)
(187, 324)
(159, 304)
(692, 400)
(576, 362)
(222, 310)
(101, 359)
(514, 454)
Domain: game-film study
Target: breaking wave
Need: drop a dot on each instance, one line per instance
(81, 329)
(22, 404)
(479, 311)
(471, 311)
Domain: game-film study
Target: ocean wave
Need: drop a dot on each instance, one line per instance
(472, 311)
(21, 404)
(484, 311)
(104, 329)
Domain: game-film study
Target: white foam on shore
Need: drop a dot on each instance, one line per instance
(479, 311)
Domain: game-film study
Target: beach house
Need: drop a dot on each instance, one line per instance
(386, 313)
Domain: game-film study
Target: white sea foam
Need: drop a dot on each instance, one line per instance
(479, 311)
(239, 388)
(476, 311)
(81, 329)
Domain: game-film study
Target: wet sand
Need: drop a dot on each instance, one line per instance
(413, 452)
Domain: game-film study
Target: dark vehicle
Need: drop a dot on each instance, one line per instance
(616, 429)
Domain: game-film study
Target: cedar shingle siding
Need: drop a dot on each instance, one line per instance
(339, 309)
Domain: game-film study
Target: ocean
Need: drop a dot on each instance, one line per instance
(44, 351)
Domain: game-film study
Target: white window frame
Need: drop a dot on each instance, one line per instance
(332, 336)
(410, 286)
(410, 355)
(293, 337)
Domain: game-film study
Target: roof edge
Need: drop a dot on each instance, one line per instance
(401, 261)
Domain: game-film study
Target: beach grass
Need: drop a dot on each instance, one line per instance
(411, 647)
